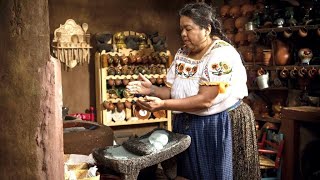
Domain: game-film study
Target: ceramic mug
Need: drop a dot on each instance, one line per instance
(287, 33)
(262, 81)
(303, 32)
(284, 73)
(302, 72)
(312, 72)
(294, 72)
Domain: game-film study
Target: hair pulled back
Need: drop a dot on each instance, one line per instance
(202, 14)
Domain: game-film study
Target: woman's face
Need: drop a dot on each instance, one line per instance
(193, 36)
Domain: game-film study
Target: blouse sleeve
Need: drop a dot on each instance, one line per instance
(171, 74)
(219, 67)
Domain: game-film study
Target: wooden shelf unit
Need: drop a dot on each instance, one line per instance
(101, 96)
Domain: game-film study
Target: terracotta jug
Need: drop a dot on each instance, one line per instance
(282, 53)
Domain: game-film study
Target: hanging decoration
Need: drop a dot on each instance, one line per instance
(71, 44)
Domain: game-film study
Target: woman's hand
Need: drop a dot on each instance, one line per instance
(151, 104)
(143, 86)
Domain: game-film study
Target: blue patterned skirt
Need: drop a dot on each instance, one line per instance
(209, 156)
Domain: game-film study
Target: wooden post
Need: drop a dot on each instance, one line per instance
(30, 95)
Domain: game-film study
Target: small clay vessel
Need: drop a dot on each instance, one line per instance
(224, 10)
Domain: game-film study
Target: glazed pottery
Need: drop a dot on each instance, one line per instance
(303, 72)
(312, 72)
(287, 33)
(262, 81)
(284, 73)
(294, 73)
(267, 57)
(303, 32)
(305, 55)
(282, 54)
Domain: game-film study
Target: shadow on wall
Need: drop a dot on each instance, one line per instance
(146, 16)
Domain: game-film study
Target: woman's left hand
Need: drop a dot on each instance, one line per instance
(151, 104)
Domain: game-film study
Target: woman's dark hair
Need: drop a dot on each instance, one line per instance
(202, 14)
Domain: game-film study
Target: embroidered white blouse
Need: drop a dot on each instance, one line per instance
(221, 65)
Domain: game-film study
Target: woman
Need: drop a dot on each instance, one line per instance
(204, 88)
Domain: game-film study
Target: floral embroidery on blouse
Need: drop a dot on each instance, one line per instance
(221, 68)
(220, 44)
(186, 70)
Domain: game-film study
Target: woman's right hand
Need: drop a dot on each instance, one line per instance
(143, 86)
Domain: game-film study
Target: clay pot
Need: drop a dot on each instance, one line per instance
(240, 22)
(267, 57)
(247, 9)
(224, 10)
(125, 82)
(111, 82)
(235, 11)
(305, 55)
(282, 54)
(120, 106)
(229, 25)
(127, 104)
(240, 38)
(118, 82)
(111, 106)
